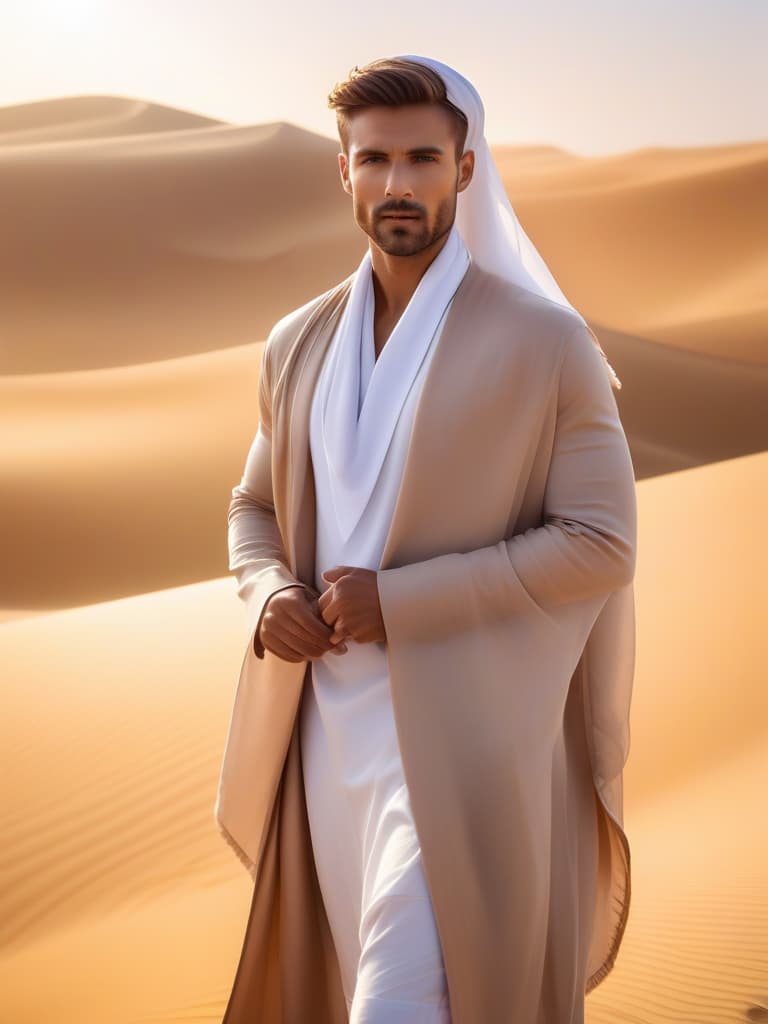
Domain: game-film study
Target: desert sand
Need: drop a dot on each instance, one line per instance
(146, 253)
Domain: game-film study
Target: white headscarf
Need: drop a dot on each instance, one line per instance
(484, 214)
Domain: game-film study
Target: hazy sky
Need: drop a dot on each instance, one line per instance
(592, 76)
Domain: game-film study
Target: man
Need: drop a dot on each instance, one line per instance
(435, 536)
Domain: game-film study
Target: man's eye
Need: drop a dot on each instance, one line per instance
(366, 159)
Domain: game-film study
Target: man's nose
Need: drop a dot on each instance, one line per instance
(398, 181)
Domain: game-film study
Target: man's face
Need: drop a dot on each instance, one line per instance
(402, 160)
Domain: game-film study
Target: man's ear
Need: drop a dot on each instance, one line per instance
(466, 169)
(344, 172)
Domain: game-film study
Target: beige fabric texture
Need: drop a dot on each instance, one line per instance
(506, 589)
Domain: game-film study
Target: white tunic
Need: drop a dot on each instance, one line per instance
(364, 839)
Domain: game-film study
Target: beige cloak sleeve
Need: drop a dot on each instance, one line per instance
(585, 548)
(256, 552)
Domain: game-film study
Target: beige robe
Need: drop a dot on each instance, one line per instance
(506, 589)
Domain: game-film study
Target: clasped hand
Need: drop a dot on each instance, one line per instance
(300, 625)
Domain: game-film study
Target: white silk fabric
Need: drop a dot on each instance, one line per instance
(364, 839)
(358, 398)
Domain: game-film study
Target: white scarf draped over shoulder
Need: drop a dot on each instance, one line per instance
(358, 397)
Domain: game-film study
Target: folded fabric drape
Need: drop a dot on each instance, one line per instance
(358, 398)
(484, 215)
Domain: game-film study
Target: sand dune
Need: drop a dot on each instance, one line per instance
(114, 721)
(146, 253)
(134, 232)
(702, 586)
(119, 480)
(161, 244)
(682, 409)
(97, 117)
(662, 243)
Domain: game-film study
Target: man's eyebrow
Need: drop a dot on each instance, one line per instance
(416, 151)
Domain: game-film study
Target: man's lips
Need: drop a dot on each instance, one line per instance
(400, 216)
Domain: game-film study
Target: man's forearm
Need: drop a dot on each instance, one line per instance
(536, 570)
(256, 552)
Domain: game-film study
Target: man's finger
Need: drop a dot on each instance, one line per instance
(310, 623)
(284, 650)
(295, 632)
(331, 609)
(300, 642)
(331, 575)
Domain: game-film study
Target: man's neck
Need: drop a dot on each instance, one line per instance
(395, 279)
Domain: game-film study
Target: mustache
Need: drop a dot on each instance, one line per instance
(399, 208)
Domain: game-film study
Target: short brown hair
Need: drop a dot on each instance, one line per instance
(393, 82)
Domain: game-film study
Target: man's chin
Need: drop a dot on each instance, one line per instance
(401, 245)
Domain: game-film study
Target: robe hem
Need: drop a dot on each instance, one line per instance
(608, 963)
(623, 897)
(240, 853)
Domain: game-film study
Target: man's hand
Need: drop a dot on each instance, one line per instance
(293, 629)
(351, 604)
